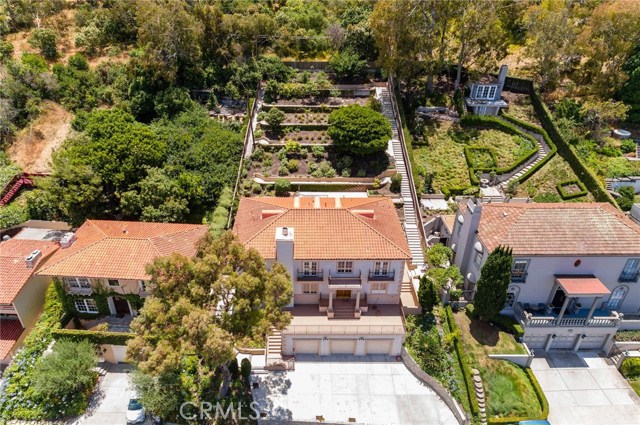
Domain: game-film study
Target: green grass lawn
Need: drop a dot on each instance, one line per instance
(520, 107)
(508, 390)
(542, 185)
(508, 148)
(635, 384)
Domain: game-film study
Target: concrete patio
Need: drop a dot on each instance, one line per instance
(582, 389)
(370, 389)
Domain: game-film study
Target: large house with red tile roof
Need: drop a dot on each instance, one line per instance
(574, 279)
(346, 257)
(21, 290)
(108, 259)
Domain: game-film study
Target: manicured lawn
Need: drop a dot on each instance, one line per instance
(542, 185)
(443, 156)
(508, 148)
(508, 390)
(635, 384)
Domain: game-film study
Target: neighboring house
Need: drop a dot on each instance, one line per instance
(634, 214)
(346, 257)
(103, 265)
(485, 95)
(21, 291)
(575, 271)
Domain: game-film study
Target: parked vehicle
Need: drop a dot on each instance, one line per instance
(135, 412)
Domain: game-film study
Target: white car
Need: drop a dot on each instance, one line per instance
(135, 412)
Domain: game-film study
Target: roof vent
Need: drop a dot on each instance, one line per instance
(32, 258)
(67, 240)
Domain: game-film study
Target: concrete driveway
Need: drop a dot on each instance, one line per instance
(372, 390)
(109, 405)
(582, 389)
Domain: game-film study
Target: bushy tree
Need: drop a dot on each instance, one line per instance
(359, 130)
(274, 118)
(427, 294)
(282, 187)
(160, 395)
(625, 201)
(67, 371)
(347, 65)
(495, 277)
(44, 39)
(396, 181)
(439, 255)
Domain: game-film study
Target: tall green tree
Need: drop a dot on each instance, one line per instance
(359, 130)
(201, 307)
(427, 294)
(495, 277)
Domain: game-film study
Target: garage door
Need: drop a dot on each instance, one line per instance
(306, 346)
(119, 352)
(535, 341)
(563, 342)
(378, 346)
(343, 346)
(592, 342)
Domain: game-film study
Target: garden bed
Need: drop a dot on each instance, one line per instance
(304, 137)
(571, 189)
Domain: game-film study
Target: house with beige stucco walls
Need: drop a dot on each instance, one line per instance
(347, 258)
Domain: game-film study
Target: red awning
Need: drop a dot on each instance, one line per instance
(582, 286)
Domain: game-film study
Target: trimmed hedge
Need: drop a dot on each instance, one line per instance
(458, 101)
(304, 127)
(468, 155)
(509, 325)
(498, 124)
(301, 109)
(458, 190)
(466, 371)
(631, 367)
(95, 337)
(541, 398)
(585, 175)
(565, 195)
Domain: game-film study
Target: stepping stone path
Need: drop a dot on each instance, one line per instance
(477, 383)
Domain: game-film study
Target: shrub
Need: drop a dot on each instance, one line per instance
(347, 65)
(45, 40)
(292, 147)
(318, 151)
(283, 170)
(293, 165)
(376, 181)
(631, 367)
(274, 118)
(628, 146)
(256, 188)
(363, 173)
(258, 154)
(245, 369)
(439, 255)
(282, 186)
(396, 180)
(359, 130)
(282, 154)
(345, 162)
(346, 172)
(95, 337)
(234, 369)
(625, 201)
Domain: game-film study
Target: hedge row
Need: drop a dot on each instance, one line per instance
(458, 100)
(301, 109)
(565, 195)
(468, 156)
(545, 136)
(95, 337)
(459, 190)
(497, 123)
(466, 372)
(305, 127)
(509, 325)
(541, 398)
(585, 175)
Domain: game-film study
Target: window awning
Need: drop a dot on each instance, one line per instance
(584, 286)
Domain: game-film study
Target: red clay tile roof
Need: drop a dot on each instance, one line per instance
(559, 229)
(10, 331)
(14, 273)
(324, 228)
(122, 249)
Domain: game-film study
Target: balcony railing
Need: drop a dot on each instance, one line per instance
(312, 277)
(519, 278)
(390, 275)
(629, 277)
(344, 330)
(527, 319)
(79, 291)
(349, 280)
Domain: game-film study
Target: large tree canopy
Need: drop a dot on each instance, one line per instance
(359, 130)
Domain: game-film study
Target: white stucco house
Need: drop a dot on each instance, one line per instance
(485, 94)
(575, 271)
(346, 257)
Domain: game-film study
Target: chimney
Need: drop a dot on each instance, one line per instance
(67, 240)
(502, 77)
(284, 251)
(32, 258)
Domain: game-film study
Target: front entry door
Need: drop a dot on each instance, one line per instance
(121, 306)
(343, 293)
(558, 298)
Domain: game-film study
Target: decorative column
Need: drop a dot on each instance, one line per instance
(330, 300)
(547, 346)
(564, 307)
(596, 300)
(358, 301)
(576, 345)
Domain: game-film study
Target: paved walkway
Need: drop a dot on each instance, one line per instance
(109, 405)
(582, 389)
(372, 390)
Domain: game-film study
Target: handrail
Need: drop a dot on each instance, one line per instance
(248, 131)
(405, 156)
(344, 330)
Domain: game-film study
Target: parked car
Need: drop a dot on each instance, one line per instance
(534, 422)
(135, 412)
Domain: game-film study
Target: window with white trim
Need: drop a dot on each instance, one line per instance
(345, 266)
(477, 260)
(113, 282)
(86, 305)
(77, 282)
(381, 268)
(309, 288)
(310, 268)
(631, 271)
(616, 297)
(519, 270)
(486, 92)
(378, 288)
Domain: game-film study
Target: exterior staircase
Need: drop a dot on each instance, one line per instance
(15, 187)
(273, 353)
(637, 149)
(412, 231)
(344, 309)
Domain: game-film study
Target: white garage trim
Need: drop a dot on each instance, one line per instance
(343, 346)
(306, 346)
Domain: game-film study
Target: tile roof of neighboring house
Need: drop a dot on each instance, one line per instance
(14, 273)
(324, 228)
(10, 331)
(122, 249)
(558, 229)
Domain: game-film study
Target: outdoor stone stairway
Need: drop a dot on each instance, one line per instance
(477, 383)
(412, 231)
(274, 345)
(101, 368)
(344, 309)
(543, 151)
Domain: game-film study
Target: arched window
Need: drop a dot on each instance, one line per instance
(512, 296)
(616, 298)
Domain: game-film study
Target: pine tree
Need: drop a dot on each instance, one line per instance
(495, 277)
(427, 294)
